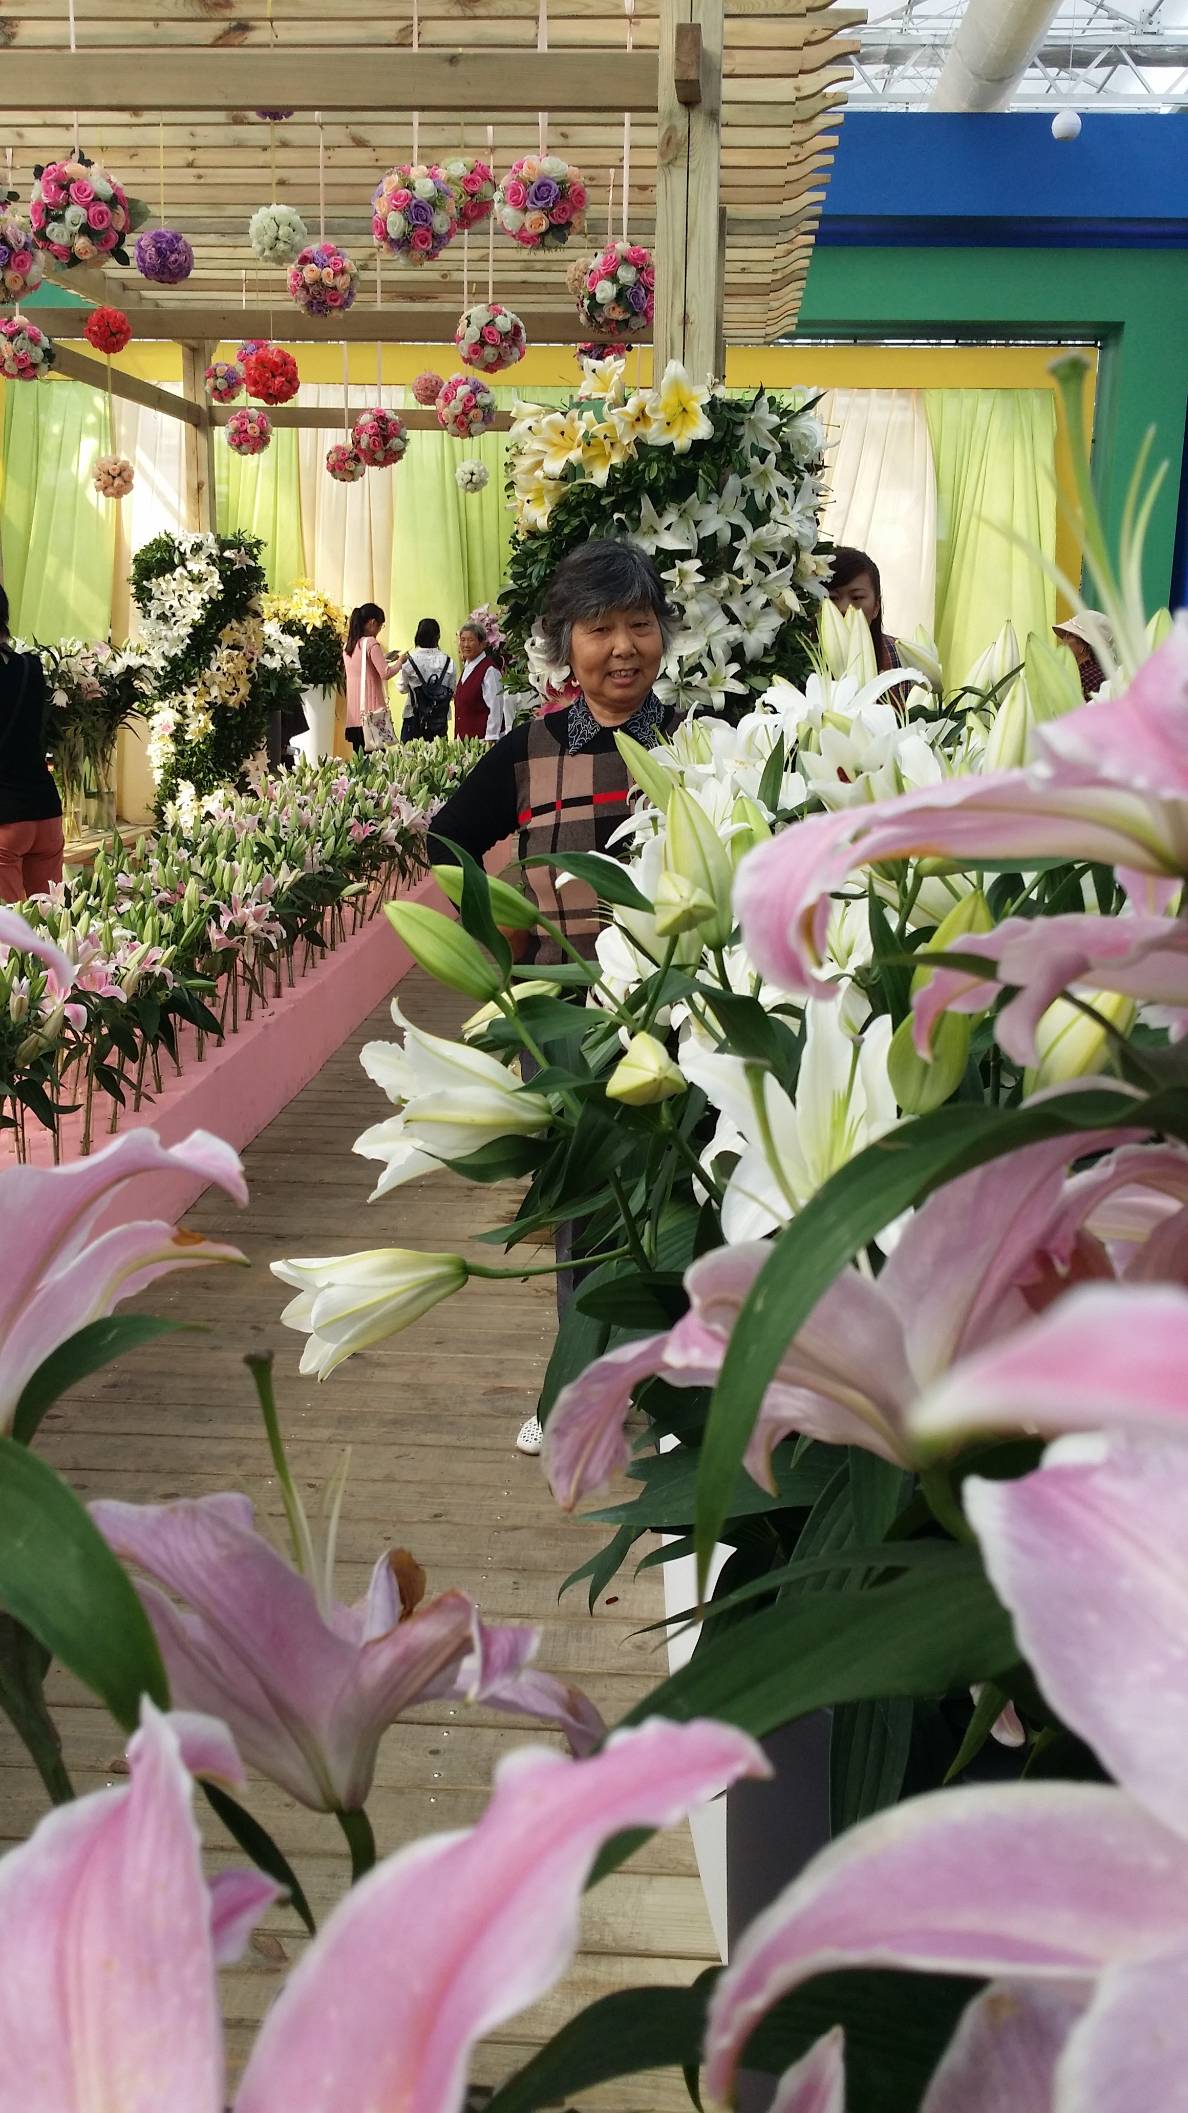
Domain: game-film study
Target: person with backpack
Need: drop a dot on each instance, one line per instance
(31, 840)
(369, 670)
(427, 679)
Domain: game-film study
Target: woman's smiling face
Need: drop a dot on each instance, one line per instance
(615, 659)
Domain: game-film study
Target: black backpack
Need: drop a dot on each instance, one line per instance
(429, 701)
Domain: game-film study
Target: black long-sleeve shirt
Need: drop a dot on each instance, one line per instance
(27, 790)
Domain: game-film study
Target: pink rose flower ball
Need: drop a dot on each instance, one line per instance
(113, 477)
(163, 256)
(465, 407)
(611, 349)
(78, 213)
(490, 337)
(427, 388)
(26, 354)
(345, 464)
(379, 438)
(323, 280)
(224, 381)
(20, 266)
(473, 184)
(620, 289)
(414, 212)
(540, 201)
(249, 432)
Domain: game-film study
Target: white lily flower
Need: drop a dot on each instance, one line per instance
(345, 1303)
(672, 530)
(452, 1100)
(760, 426)
(719, 516)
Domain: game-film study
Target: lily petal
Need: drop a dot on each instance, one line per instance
(450, 1938)
(1002, 2057)
(585, 1438)
(1128, 2050)
(818, 2083)
(24, 938)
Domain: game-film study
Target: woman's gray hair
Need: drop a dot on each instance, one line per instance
(594, 579)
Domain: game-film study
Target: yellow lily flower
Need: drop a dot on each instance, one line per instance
(678, 418)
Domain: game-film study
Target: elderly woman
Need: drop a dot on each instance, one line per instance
(558, 782)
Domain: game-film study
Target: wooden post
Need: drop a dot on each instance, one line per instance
(689, 253)
(198, 443)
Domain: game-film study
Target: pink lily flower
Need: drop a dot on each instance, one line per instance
(24, 938)
(1039, 957)
(308, 1685)
(107, 1955)
(55, 1279)
(1110, 782)
(975, 1262)
(1080, 1883)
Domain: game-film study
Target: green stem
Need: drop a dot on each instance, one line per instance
(634, 1242)
(704, 1175)
(260, 1368)
(653, 1004)
(755, 1078)
(360, 1841)
(507, 1008)
(936, 1487)
(545, 1269)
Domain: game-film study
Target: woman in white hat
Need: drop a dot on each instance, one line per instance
(1083, 635)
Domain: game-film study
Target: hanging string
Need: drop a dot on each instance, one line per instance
(610, 207)
(161, 168)
(491, 221)
(465, 269)
(542, 44)
(272, 157)
(416, 116)
(346, 391)
(379, 371)
(73, 47)
(321, 177)
(629, 9)
(243, 290)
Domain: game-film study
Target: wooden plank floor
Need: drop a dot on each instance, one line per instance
(430, 1418)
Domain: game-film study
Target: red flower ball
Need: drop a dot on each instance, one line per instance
(271, 375)
(108, 330)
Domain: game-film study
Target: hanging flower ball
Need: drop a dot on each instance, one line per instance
(108, 330)
(473, 184)
(489, 337)
(540, 203)
(620, 289)
(471, 477)
(275, 117)
(271, 375)
(113, 477)
(575, 276)
(427, 387)
(224, 381)
(466, 406)
(277, 234)
(26, 354)
(414, 212)
(20, 266)
(345, 464)
(249, 432)
(323, 281)
(250, 345)
(379, 438)
(163, 256)
(606, 349)
(78, 213)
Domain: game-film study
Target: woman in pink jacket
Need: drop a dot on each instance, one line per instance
(368, 673)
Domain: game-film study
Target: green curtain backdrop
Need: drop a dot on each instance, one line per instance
(995, 457)
(57, 537)
(259, 495)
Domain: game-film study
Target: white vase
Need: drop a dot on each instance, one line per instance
(318, 706)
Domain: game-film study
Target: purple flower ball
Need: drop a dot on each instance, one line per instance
(164, 256)
(543, 195)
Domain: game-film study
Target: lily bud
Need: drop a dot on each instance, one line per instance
(833, 639)
(1073, 1046)
(751, 827)
(508, 906)
(1053, 681)
(444, 950)
(995, 664)
(1009, 739)
(921, 1084)
(860, 652)
(649, 774)
(694, 851)
(680, 906)
(645, 1074)
(18, 1006)
(1159, 630)
(919, 652)
(345, 1303)
(533, 988)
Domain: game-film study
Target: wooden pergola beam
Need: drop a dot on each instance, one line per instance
(309, 417)
(76, 367)
(335, 78)
(405, 323)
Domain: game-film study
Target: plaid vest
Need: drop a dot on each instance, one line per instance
(566, 803)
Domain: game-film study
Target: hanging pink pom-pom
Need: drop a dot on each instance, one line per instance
(427, 387)
(379, 437)
(249, 432)
(345, 464)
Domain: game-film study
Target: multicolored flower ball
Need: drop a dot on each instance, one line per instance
(224, 381)
(489, 337)
(78, 213)
(575, 276)
(473, 184)
(277, 234)
(607, 349)
(620, 288)
(465, 406)
(250, 345)
(379, 438)
(323, 280)
(472, 477)
(345, 464)
(414, 212)
(20, 266)
(270, 375)
(113, 477)
(275, 117)
(540, 203)
(26, 354)
(427, 387)
(249, 432)
(163, 256)
(108, 330)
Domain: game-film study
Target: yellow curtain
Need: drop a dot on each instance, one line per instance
(995, 457)
(260, 495)
(57, 536)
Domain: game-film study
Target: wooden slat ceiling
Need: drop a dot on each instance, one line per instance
(786, 67)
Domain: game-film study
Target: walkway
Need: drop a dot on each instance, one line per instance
(430, 1418)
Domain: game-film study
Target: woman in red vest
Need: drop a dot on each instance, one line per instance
(478, 699)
